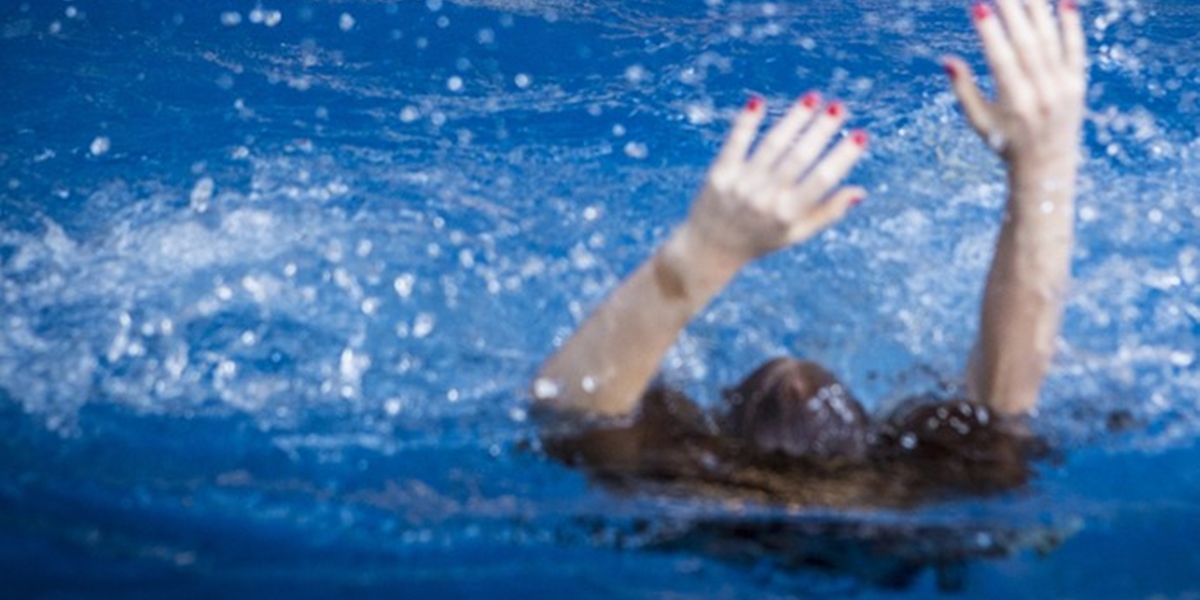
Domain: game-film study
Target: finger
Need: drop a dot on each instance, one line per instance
(1026, 46)
(1074, 46)
(780, 137)
(811, 143)
(828, 212)
(737, 145)
(1044, 29)
(826, 174)
(996, 47)
(975, 107)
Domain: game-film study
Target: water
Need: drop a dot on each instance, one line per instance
(276, 276)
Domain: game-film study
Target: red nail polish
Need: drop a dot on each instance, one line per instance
(836, 109)
(951, 71)
(810, 100)
(855, 201)
(1070, 5)
(754, 103)
(860, 138)
(981, 11)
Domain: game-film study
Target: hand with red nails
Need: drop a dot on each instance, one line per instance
(757, 198)
(1038, 63)
(1038, 67)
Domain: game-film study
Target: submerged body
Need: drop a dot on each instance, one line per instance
(925, 450)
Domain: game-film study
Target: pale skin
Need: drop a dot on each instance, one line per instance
(761, 197)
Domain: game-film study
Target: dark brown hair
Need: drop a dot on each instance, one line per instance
(799, 409)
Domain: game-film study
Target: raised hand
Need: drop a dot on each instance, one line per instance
(1038, 65)
(782, 191)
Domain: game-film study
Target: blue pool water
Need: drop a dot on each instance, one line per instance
(275, 275)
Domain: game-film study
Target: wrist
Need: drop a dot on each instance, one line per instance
(1043, 186)
(688, 267)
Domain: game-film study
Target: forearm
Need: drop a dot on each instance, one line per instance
(1023, 298)
(606, 365)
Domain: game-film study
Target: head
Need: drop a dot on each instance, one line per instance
(799, 409)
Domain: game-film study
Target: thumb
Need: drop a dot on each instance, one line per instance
(830, 211)
(962, 80)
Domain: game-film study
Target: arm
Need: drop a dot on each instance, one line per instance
(752, 203)
(1034, 124)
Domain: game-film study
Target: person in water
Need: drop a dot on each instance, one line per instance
(791, 431)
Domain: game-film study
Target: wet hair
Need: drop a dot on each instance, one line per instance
(960, 444)
(798, 409)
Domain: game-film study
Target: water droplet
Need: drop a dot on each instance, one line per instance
(423, 325)
(545, 389)
(636, 74)
(100, 145)
(636, 150)
(370, 306)
(346, 22)
(996, 141)
(404, 285)
(201, 194)
(392, 406)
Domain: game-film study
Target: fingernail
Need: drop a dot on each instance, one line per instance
(860, 137)
(981, 11)
(951, 70)
(1070, 5)
(836, 109)
(855, 201)
(754, 103)
(810, 100)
